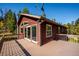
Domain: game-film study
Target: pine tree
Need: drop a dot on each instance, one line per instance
(10, 21)
(25, 10)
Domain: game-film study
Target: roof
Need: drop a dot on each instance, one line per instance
(39, 17)
(34, 16)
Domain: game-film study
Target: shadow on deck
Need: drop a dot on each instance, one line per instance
(23, 49)
(1, 44)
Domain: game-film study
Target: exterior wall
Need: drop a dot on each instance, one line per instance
(20, 35)
(38, 34)
(41, 30)
(43, 33)
(54, 32)
(31, 22)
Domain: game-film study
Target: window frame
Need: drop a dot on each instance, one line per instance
(23, 24)
(48, 31)
(32, 32)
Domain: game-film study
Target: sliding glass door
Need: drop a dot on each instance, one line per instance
(27, 33)
(30, 33)
(34, 33)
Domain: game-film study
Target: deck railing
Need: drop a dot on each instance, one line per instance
(66, 36)
(5, 37)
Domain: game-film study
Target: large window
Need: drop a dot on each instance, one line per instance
(27, 32)
(34, 33)
(48, 30)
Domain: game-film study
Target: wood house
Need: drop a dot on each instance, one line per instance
(38, 29)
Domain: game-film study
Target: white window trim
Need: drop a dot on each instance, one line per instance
(47, 36)
(23, 24)
(31, 33)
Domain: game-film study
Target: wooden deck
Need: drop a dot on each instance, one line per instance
(52, 48)
(11, 48)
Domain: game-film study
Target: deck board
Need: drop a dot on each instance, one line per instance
(11, 48)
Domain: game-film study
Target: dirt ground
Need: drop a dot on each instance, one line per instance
(53, 48)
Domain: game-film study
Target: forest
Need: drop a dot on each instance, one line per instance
(8, 20)
(73, 27)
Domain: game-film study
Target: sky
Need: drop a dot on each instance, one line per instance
(62, 12)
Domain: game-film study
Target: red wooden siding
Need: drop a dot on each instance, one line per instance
(41, 29)
(54, 32)
(30, 22)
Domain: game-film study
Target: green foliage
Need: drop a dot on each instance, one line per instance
(77, 22)
(76, 30)
(25, 10)
(1, 19)
(73, 27)
(10, 21)
(1, 24)
(75, 40)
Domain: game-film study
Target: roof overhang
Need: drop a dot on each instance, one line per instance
(34, 16)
